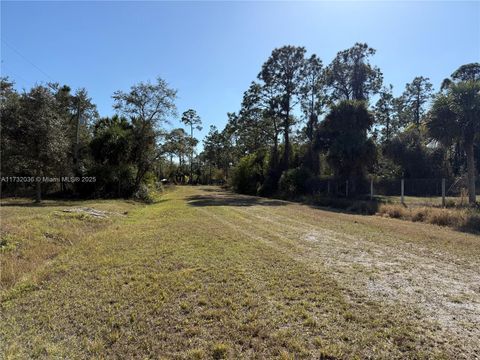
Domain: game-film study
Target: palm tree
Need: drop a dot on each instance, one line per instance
(455, 116)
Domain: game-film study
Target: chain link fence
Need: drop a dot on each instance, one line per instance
(409, 191)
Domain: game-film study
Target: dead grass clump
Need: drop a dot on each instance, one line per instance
(393, 211)
(421, 214)
(219, 351)
(446, 217)
(459, 218)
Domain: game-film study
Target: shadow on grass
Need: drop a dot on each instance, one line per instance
(69, 202)
(155, 202)
(212, 190)
(471, 226)
(222, 197)
(219, 197)
(227, 199)
(24, 203)
(341, 205)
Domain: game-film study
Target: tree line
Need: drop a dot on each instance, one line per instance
(54, 132)
(300, 121)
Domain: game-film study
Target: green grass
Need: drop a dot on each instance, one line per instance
(33, 234)
(201, 274)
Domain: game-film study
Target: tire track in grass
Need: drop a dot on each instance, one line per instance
(283, 245)
(276, 300)
(392, 275)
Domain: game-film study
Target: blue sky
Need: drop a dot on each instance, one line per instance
(211, 51)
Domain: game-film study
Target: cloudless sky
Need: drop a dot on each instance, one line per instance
(211, 51)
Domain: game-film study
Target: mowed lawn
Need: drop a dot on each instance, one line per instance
(208, 274)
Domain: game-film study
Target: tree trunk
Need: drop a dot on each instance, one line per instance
(118, 188)
(417, 111)
(315, 161)
(140, 175)
(286, 155)
(275, 152)
(471, 171)
(388, 128)
(191, 156)
(77, 142)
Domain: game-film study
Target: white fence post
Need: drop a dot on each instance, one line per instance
(443, 193)
(403, 191)
(371, 189)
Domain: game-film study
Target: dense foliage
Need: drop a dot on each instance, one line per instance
(307, 122)
(298, 123)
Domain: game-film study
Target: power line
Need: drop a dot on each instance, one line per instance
(14, 74)
(27, 60)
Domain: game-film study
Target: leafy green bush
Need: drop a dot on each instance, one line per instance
(293, 181)
(144, 194)
(111, 181)
(248, 175)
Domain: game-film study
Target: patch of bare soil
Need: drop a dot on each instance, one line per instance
(436, 287)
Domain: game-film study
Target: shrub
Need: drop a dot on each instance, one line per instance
(293, 181)
(248, 175)
(111, 181)
(144, 194)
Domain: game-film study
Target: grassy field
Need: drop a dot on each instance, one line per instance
(208, 274)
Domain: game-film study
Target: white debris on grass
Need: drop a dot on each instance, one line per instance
(90, 211)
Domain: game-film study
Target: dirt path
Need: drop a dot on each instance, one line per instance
(433, 283)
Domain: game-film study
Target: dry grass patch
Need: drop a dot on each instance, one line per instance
(459, 218)
(31, 235)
